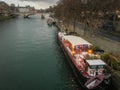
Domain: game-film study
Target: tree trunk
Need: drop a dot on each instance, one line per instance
(74, 25)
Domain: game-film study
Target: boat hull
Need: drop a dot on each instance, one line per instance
(80, 79)
(78, 74)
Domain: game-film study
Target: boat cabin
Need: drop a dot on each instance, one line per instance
(95, 67)
(76, 44)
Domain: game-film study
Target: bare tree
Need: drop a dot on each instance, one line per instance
(85, 10)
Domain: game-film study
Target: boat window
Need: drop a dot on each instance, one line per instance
(100, 66)
(76, 47)
(85, 46)
(96, 67)
(93, 67)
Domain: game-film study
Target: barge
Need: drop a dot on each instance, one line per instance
(86, 64)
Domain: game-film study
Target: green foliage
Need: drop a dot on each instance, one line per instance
(2, 18)
(105, 57)
(115, 65)
(95, 48)
(118, 68)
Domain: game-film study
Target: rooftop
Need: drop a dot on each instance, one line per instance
(75, 40)
(95, 62)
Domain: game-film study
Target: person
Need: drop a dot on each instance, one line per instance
(66, 30)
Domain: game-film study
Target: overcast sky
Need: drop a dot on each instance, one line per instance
(38, 4)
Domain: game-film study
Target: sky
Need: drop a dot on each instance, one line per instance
(38, 4)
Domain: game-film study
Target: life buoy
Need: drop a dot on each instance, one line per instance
(100, 71)
(91, 71)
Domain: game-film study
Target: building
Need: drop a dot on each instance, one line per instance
(23, 10)
(26, 9)
(13, 8)
(4, 8)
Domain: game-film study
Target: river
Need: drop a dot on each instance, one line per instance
(30, 58)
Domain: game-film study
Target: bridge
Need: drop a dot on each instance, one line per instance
(26, 14)
(26, 11)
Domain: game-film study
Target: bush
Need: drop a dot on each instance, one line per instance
(94, 48)
(118, 67)
(2, 18)
(115, 65)
(106, 57)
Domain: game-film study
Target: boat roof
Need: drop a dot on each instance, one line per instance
(96, 62)
(75, 40)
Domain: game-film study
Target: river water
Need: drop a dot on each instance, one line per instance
(30, 58)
